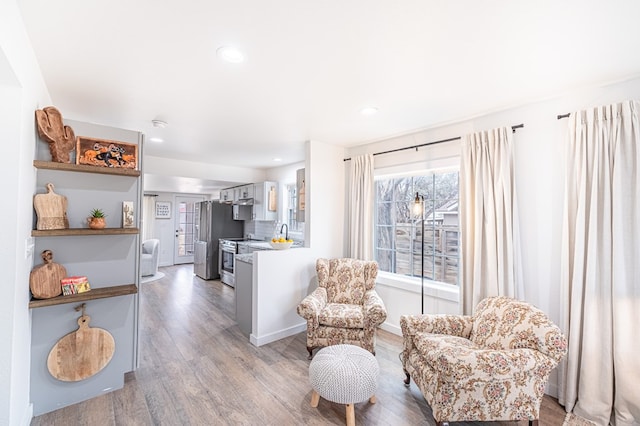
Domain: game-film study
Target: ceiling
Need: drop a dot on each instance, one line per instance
(311, 66)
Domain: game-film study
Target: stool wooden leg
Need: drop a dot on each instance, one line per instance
(351, 415)
(372, 399)
(315, 399)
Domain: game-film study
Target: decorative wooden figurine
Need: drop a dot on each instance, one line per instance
(44, 280)
(51, 209)
(51, 129)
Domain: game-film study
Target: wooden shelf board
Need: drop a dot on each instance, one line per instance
(93, 294)
(83, 231)
(50, 165)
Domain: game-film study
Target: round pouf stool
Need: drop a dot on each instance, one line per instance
(345, 374)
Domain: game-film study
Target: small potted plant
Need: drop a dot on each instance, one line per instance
(96, 220)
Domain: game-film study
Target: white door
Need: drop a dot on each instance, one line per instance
(184, 229)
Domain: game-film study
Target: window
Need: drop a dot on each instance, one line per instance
(398, 230)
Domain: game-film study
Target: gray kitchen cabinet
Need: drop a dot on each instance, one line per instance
(243, 293)
(265, 201)
(226, 196)
(301, 191)
(108, 257)
(244, 192)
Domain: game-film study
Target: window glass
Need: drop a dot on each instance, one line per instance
(398, 231)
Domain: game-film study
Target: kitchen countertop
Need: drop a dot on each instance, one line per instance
(262, 245)
(246, 258)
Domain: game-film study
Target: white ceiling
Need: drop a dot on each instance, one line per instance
(312, 65)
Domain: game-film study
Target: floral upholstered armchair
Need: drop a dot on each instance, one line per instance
(491, 366)
(345, 308)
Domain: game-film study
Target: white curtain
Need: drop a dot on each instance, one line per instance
(490, 241)
(600, 378)
(361, 204)
(148, 217)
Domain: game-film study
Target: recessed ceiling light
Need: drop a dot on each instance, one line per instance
(230, 54)
(277, 159)
(156, 140)
(368, 110)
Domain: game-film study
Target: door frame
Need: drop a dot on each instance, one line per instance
(178, 199)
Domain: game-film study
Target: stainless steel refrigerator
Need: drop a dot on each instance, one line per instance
(213, 221)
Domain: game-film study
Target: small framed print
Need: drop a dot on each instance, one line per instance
(128, 215)
(106, 153)
(163, 210)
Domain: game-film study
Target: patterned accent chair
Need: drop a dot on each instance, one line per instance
(345, 308)
(491, 366)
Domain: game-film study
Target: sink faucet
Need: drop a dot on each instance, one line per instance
(285, 226)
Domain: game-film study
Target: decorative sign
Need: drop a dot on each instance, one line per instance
(128, 216)
(163, 209)
(106, 153)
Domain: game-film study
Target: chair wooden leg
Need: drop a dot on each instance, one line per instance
(407, 380)
(315, 399)
(310, 350)
(533, 422)
(442, 423)
(351, 415)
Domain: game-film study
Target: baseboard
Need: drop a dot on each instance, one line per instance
(280, 334)
(391, 328)
(27, 416)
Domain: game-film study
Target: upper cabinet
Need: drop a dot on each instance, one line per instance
(226, 196)
(301, 190)
(257, 201)
(265, 201)
(245, 192)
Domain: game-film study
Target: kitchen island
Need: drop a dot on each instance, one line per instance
(280, 279)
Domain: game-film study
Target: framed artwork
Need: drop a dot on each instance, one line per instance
(128, 215)
(163, 210)
(106, 153)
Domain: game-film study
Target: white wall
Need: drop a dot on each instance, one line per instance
(22, 91)
(324, 213)
(155, 167)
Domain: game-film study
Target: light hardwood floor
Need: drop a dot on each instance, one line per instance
(197, 368)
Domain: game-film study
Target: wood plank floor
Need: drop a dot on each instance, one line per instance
(197, 368)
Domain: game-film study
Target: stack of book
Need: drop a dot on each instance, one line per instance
(74, 285)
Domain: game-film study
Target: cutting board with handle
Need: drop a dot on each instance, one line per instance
(44, 280)
(81, 353)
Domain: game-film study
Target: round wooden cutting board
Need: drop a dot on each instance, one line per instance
(44, 280)
(81, 353)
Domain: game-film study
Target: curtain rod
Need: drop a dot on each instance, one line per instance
(561, 116)
(513, 129)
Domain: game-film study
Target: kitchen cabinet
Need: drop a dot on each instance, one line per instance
(265, 201)
(242, 212)
(301, 191)
(243, 293)
(226, 196)
(108, 257)
(244, 192)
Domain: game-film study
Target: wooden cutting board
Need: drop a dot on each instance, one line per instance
(44, 280)
(81, 353)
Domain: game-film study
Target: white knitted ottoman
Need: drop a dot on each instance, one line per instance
(345, 374)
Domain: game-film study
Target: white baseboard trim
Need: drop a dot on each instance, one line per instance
(28, 416)
(277, 335)
(391, 328)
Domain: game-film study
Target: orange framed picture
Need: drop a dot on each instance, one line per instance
(106, 153)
